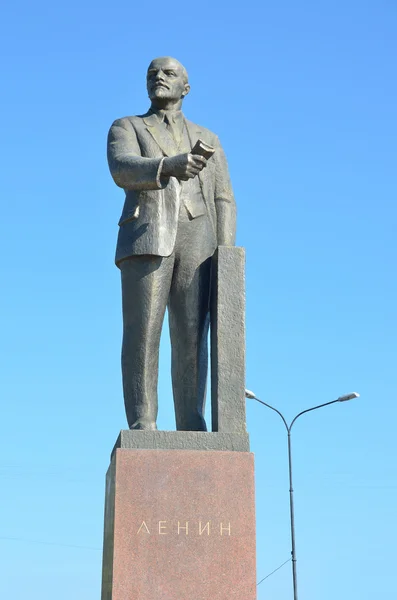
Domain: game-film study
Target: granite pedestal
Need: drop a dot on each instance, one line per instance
(179, 524)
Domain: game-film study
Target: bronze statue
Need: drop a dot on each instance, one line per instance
(179, 206)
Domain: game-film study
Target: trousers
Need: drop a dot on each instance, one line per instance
(180, 282)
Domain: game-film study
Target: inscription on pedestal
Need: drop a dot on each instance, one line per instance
(180, 526)
(194, 528)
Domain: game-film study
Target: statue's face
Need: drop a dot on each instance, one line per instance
(166, 80)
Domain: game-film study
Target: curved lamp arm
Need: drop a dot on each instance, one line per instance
(345, 398)
(251, 395)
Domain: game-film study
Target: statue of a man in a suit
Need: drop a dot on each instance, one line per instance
(178, 208)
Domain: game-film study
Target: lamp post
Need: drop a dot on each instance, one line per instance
(251, 396)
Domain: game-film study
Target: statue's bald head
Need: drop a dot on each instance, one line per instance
(167, 82)
(169, 61)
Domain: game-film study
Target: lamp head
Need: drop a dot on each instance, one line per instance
(347, 397)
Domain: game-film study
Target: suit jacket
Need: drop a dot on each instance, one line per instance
(149, 221)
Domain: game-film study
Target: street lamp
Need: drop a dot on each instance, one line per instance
(251, 396)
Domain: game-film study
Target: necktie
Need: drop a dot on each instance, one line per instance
(173, 127)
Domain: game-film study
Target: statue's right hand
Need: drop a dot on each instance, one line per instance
(183, 166)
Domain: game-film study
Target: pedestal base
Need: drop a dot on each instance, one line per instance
(179, 525)
(182, 440)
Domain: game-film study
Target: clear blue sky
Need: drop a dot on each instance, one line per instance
(303, 96)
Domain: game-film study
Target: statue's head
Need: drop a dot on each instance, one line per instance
(167, 81)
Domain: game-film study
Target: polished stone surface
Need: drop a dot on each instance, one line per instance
(179, 525)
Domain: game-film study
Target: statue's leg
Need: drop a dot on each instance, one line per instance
(145, 288)
(189, 321)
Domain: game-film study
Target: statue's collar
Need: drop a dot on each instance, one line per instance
(175, 115)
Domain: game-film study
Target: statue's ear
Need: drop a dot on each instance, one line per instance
(186, 90)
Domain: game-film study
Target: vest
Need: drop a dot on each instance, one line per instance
(190, 194)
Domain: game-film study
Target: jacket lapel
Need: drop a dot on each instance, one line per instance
(159, 133)
(194, 132)
(165, 141)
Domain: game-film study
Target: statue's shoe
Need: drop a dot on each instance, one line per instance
(144, 426)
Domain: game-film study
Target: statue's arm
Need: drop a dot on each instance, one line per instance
(128, 168)
(224, 199)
